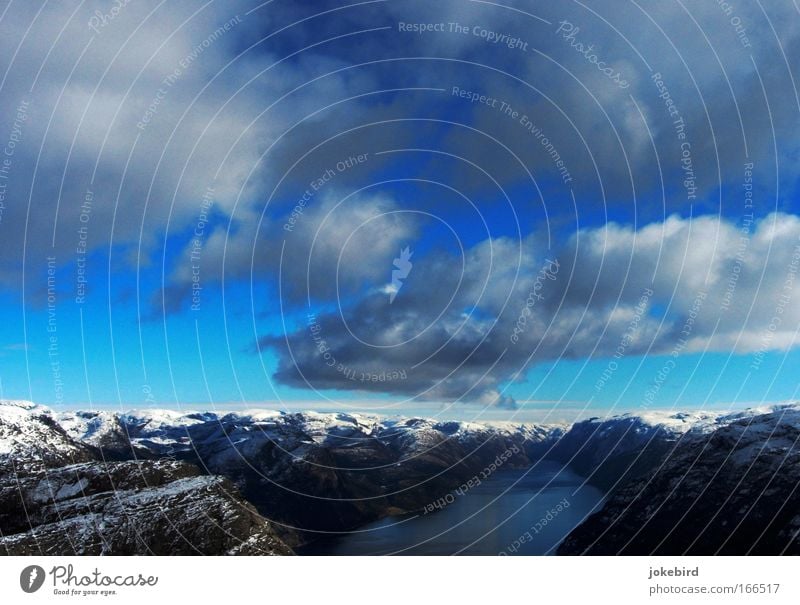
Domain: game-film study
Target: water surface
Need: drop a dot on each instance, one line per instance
(516, 512)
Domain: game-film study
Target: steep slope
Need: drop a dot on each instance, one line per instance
(609, 451)
(730, 488)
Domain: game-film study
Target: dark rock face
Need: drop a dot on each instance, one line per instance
(734, 490)
(612, 451)
(340, 481)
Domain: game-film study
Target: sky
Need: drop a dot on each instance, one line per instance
(461, 208)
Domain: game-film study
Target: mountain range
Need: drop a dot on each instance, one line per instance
(266, 482)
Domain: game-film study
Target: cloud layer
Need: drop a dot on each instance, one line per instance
(294, 149)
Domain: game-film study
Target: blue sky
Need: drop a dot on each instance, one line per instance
(253, 173)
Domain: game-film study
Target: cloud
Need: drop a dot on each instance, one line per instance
(325, 248)
(451, 334)
(145, 115)
(102, 119)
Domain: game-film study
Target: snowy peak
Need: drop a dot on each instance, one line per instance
(17, 403)
(29, 434)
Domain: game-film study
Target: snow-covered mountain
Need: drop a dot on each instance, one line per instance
(31, 433)
(61, 493)
(608, 451)
(731, 485)
(318, 472)
(266, 481)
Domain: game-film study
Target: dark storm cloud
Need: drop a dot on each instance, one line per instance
(90, 112)
(458, 332)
